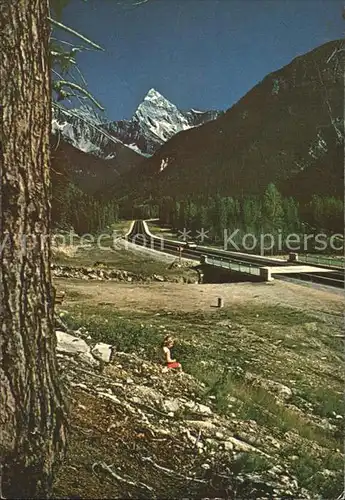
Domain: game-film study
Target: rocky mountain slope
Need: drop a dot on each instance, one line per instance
(87, 171)
(154, 122)
(288, 130)
(131, 405)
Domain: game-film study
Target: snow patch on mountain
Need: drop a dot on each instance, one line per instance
(135, 148)
(164, 164)
(85, 130)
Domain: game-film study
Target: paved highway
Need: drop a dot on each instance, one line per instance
(236, 261)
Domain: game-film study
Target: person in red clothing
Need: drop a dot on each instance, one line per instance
(168, 344)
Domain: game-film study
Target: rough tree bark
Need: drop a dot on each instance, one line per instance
(32, 412)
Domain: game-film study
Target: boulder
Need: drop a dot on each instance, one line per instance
(74, 346)
(146, 394)
(241, 446)
(198, 408)
(228, 445)
(102, 351)
(70, 344)
(202, 425)
(171, 405)
(280, 390)
(157, 277)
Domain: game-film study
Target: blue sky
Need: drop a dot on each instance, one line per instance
(203, 54)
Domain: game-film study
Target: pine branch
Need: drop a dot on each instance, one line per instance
(64, 83)
(75, 33)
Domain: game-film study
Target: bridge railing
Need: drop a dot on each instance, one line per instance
(322, 260)
(240, 266)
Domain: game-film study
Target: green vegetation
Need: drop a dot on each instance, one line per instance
(107, 325)
(320, 473)
(269, 213)
(221, 348)
(72, 208)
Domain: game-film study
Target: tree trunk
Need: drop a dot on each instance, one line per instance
(32, 412)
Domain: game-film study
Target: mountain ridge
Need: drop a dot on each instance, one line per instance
(155, 120)
(289, 123)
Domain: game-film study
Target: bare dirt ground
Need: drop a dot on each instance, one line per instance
(194, 297)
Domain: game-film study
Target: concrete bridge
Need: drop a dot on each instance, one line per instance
(216, 270)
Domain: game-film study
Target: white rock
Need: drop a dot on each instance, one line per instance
(189, 436)
(102, 351)
(146, 394)
(171, 405)
(157, 277)
(205, 410)
(228, 446)
(198, 408)
(80, 385)
(104, 389)
(112, 397)
(202, 425)
(163, 432)
(69, 344)
(241, 446)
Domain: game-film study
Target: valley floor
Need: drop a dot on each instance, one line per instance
(179, 297)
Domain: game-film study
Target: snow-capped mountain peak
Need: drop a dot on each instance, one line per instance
(153, 95)
(155, 120)
(154, 101)
(158, 118)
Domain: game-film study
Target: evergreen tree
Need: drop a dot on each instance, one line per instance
(272, 207)
(202, 217)
(220, 218)
(182, 221)
(191, 215)
(291, 215)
